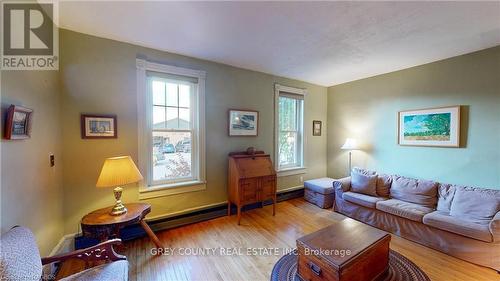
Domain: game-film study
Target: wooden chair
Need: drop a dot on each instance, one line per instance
(20, 259)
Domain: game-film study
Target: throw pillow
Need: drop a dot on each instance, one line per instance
(476, 204)
(363, 183)
(384, 185)
(421, 192)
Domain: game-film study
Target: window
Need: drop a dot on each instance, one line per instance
(172, 130)
(289, 129)
(171, 135)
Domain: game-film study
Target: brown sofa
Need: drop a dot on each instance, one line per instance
(460, 221)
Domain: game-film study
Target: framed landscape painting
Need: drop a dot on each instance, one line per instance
(18, 123)
(98, 126)
(430, 127)
(243, 122)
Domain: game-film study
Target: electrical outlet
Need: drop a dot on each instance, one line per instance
(301, 179)
(52, 160)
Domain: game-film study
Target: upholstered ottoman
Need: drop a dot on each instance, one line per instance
(320, 192)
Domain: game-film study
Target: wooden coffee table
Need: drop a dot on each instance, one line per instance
(346, 250)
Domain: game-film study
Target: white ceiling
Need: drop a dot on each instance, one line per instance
(326, 43)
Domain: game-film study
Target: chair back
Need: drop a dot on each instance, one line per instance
(20, 258)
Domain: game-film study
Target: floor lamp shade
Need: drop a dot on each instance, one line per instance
(350, 144)
(116, 172)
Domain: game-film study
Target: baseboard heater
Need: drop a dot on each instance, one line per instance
(135, 231)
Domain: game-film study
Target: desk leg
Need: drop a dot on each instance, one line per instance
(274, 205)
(151, 234)
(239, 214)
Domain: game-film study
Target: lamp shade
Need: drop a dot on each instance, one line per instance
(118, 171)
(350, 144)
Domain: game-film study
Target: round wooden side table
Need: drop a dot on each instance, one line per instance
(101, 225)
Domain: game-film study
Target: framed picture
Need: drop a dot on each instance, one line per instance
(243, 122)
(18, 123)
(430, 127)
(316, 128)
(99, 126)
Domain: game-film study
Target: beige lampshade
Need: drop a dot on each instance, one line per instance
(118, 171)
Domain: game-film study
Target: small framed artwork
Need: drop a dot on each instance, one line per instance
(316, 128)
(99, 126)
(18, 123)
(430, 127)
(243, 122)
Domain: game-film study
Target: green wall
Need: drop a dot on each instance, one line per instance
(31, 191)
(367, 110)
(99, 76)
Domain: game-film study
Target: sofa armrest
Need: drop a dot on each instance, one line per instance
(495, 227)
(342, 185)
(102, 251)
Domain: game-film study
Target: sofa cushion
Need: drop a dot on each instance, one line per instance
(20, 258)
(321, 185)
(114, 271)
(403, 209)
(445, 197)
(475, 204)
(463, 227)
(384, 185)
(422, 192)
(362, 199)
(362, 182)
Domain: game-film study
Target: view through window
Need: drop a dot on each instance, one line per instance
(290, 131)
(173, 130)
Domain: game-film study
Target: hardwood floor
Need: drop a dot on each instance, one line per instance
(259, 229)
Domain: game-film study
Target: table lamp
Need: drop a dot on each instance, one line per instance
(117, 172)
(350, 144)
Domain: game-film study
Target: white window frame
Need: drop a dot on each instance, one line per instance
(300, 167)
(145, 132)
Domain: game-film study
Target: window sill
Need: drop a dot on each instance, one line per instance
(171, 189)
(292, 171)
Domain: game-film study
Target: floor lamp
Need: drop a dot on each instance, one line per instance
(350, 145)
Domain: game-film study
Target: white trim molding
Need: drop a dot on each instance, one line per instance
(65, 245)
(170, 189)
(288, 189)
(292, 171)
(144, 130)
(301, 168)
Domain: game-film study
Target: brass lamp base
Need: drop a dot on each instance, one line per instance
(119, 208)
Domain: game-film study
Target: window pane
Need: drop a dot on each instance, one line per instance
(184, 118)
(171, 155)
(287, 148)
(184, 95)
(158, 93)
(172, 94)
(172, 118)
(158, 117)
(287, 114)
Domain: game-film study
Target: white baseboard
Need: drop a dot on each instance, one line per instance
(65, 245)
(290, 188)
